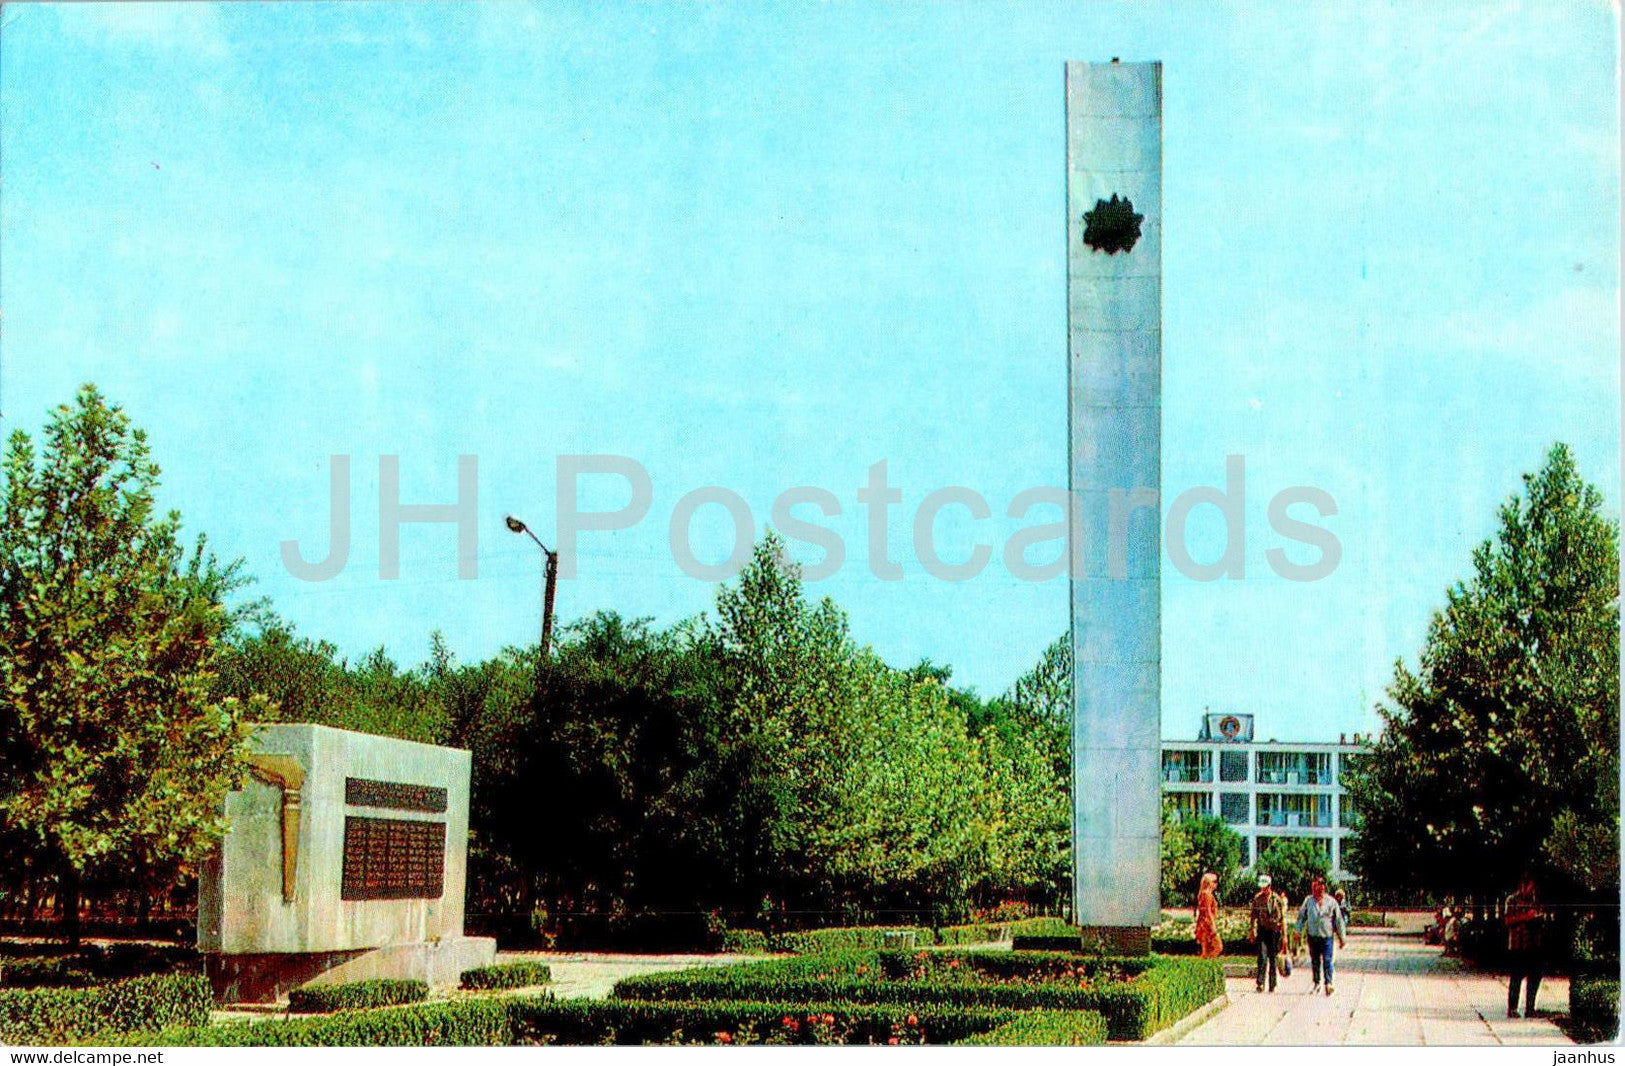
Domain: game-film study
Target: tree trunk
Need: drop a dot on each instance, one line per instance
(69, 892)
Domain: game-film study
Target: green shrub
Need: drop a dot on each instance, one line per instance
(507, 975)
(461, 1023)
(52, 971)
(1594, 1008)
(1138, 996)
(1371, 918)
(356, 995)
(745, 942)
(51, 966)
(993, 932)
(846, 938)
(58, 1015)
(1045, 1028)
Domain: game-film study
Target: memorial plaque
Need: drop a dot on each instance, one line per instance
(365, 792)
(391, 858)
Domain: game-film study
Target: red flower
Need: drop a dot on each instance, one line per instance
(724, 1038)
(829, 1019)
(911, 1020)
(891, 1040)
(953, 964)
(789, 1022)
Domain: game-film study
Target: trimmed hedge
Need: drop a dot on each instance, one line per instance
(58, 1015)
(1152, 994)
(461, 1023)
(507, 975)
(497, 1022)
(356, 995)
(1594, 1007)
(1044, 1028)
(844, 938)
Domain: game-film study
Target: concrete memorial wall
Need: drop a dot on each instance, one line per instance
(346, 859)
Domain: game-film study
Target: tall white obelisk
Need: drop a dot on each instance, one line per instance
(1114, 328)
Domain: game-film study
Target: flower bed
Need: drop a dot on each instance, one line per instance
(1137, 996)
(533, 1021)
(1177, 936)
(743, 1023)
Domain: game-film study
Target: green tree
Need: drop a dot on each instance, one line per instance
(1218, 849)
(308, 681)
(1028, 811)
(1181, 865)
(115, 755)
(622, 737)
(1292, 863)
(1500, 751)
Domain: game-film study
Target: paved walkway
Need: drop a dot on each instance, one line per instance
(1391, 989)
(593, 974)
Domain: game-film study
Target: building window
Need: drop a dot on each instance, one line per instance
(1189, 804)
(1294, 810)
(1233, 807)
(1232, 766)
(1187, 767)
(1294, 767)
(1346, 813)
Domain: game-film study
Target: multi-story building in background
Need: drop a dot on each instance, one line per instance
(1264, 790)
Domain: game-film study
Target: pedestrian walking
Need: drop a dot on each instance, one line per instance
(1266, 922)
(1207, 917)
(1525, 919)
(1320, 920)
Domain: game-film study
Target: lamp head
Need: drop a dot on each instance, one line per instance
(515, 525)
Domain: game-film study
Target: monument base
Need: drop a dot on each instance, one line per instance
(1117, 939)
(268, 977)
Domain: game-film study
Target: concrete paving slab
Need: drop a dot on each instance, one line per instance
(1390, 988)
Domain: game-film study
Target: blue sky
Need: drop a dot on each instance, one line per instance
(762, 247)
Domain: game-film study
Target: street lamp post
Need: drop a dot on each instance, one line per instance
(549, 584)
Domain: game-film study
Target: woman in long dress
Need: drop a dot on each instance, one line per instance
(1207, 918)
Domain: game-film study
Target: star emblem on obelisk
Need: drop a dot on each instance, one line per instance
(1112, 226)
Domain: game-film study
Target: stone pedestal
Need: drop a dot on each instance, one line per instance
(345, 860)
(269, 977)
(1117, 940)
